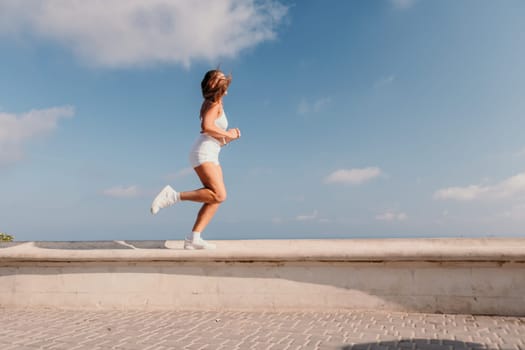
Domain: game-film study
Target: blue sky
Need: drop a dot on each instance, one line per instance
(385, 118)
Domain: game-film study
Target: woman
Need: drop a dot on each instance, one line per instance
(204, 158)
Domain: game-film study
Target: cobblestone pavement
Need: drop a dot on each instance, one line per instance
(346, 330)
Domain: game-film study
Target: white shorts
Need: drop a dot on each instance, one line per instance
(205, 149)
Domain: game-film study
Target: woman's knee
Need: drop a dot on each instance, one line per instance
(219, 196)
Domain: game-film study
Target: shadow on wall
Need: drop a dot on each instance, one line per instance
(418, 344)
(88, 245)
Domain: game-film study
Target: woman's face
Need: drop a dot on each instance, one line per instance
(221, 76)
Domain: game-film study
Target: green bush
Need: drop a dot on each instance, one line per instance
(4, 237)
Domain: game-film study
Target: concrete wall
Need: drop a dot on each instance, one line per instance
(483, 276)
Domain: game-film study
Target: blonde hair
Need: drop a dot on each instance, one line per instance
(214, 85)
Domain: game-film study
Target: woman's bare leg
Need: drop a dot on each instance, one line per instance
(204, 216)
(212, 194)
(202, 195)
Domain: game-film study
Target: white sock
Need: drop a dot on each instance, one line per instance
(195, 235)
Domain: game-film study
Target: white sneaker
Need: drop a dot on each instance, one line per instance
(165, 198)
(198, 243)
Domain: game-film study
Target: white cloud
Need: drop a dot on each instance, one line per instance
(507, 188)
(314, 106)
(403, 4)
(353, 176)
(391, 216)
(307, 217)
(123, 192)
(460, 193)
(115, 33)
(312, 217)
(17, 130)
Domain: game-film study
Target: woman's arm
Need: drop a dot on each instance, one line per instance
(208, 125)
(227, 140)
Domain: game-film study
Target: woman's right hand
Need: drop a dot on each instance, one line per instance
(234, 133)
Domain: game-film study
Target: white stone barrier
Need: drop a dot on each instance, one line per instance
(447, 275)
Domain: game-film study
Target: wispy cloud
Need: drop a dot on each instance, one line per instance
(18, 129)
(261, 171)
(123, 192)
(115, 33)
(312, 217)
(307, 217)
(506, 188)
(307, 106)
(295, 198)
(403, 4)
(353, 176)
(515, 213)
(392, 216)
(520, 153)
(179, 174)
(277, 220)
(385, 81)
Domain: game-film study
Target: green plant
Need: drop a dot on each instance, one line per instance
(4, 237)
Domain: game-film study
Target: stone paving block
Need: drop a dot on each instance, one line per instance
(367, 337)
(508, 346)
(119, 330)
(329, 347)
(5, 346)
(128, 346)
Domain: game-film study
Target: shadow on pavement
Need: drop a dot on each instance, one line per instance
(418, 344)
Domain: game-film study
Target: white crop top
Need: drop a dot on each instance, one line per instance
(222, 121)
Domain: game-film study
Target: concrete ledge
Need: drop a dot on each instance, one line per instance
(444, 249)
(474, 276)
